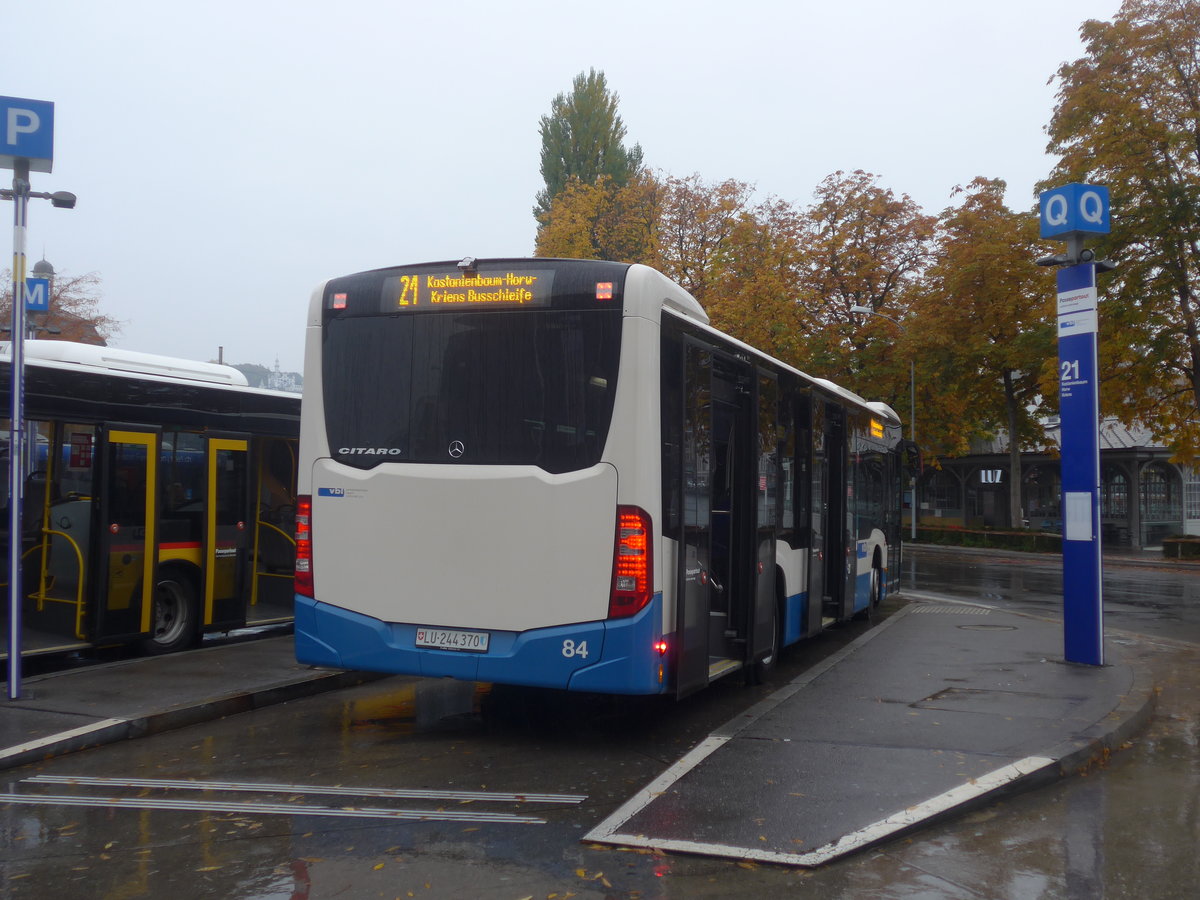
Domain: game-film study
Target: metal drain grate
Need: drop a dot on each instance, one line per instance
(952, 610)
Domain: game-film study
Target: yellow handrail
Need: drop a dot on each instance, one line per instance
(290, 539)
(40, 594)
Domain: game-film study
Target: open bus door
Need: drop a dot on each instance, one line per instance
(718, 567)
(732, 578)
(227, 531)
(273, 494)
(126, 545)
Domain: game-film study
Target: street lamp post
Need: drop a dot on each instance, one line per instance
(912, 420)
(17, 431)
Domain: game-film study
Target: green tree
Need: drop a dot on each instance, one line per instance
(582, 139)
(983, 329)
(1128, 116)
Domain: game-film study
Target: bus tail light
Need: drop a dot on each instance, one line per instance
(304, 574)
(632, 563)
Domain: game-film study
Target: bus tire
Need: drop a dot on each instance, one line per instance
(173, 624)
(874, 592)
(761, 668)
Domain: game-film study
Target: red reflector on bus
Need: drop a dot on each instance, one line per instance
(339, 301)
(604, 290)
(304, 575)
(632, 560)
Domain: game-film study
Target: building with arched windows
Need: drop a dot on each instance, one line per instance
(1144, 497)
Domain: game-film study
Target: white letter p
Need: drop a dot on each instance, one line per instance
(20, 121)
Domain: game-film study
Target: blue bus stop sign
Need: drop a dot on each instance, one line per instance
(1075, 209)
(37, 294)
(26, 132)
(1079, 409)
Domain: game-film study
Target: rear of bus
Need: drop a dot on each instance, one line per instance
(474, 504)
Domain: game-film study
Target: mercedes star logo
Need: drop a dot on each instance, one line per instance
(456, 449)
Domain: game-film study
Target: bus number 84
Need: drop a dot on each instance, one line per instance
(570, 649)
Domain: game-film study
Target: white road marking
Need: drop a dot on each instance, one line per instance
(53, 739)
(335, 790)
(270, 809)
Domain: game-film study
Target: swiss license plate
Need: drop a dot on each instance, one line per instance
(451, 639)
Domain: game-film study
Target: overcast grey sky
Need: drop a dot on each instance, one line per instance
(230, 154)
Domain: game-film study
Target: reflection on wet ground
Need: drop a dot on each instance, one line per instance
(1126, 829)
(1152, 600)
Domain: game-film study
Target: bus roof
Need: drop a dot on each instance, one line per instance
(132, 362)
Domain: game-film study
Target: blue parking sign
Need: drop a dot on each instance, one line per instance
(1075, 209)
(26, 132)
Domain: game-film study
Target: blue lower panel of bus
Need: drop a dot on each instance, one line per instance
(795, 615)
(615, 656)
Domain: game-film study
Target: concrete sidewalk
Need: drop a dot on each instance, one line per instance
(942, 707)
(70, 710)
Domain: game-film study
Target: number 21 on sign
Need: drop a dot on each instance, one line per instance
(408, 288)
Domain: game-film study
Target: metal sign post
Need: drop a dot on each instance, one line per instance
(26, 144)
(1068, 213)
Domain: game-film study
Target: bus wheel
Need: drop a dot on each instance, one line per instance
(876, 585)
(173, 626)
(762, 668)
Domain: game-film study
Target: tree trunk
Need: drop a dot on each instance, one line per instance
(1015, 517)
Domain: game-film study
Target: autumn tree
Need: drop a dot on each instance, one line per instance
(983, 326)
(74, 313)
(751, 289)
(697, 220)
(1128, 116)
(862, 246)
(603, 220)
(582, 139)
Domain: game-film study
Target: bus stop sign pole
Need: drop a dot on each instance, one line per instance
(1068, 213)
(26, 144)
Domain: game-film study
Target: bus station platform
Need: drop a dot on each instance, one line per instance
(943, 706)
(74, 709)
(940, 708)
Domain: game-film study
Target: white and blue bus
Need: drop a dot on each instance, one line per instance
(556, 473)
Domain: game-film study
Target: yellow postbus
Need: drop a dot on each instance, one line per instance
(158, 500)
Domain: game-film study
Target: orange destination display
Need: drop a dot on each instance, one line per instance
(506, 288)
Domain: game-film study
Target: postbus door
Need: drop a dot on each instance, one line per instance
(227, 530)
(126, 549)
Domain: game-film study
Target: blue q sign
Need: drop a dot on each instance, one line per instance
(26, 132)
(1075, 209)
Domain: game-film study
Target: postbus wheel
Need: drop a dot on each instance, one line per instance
(176, 609)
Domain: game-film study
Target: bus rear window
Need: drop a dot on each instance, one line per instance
(511, 387)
